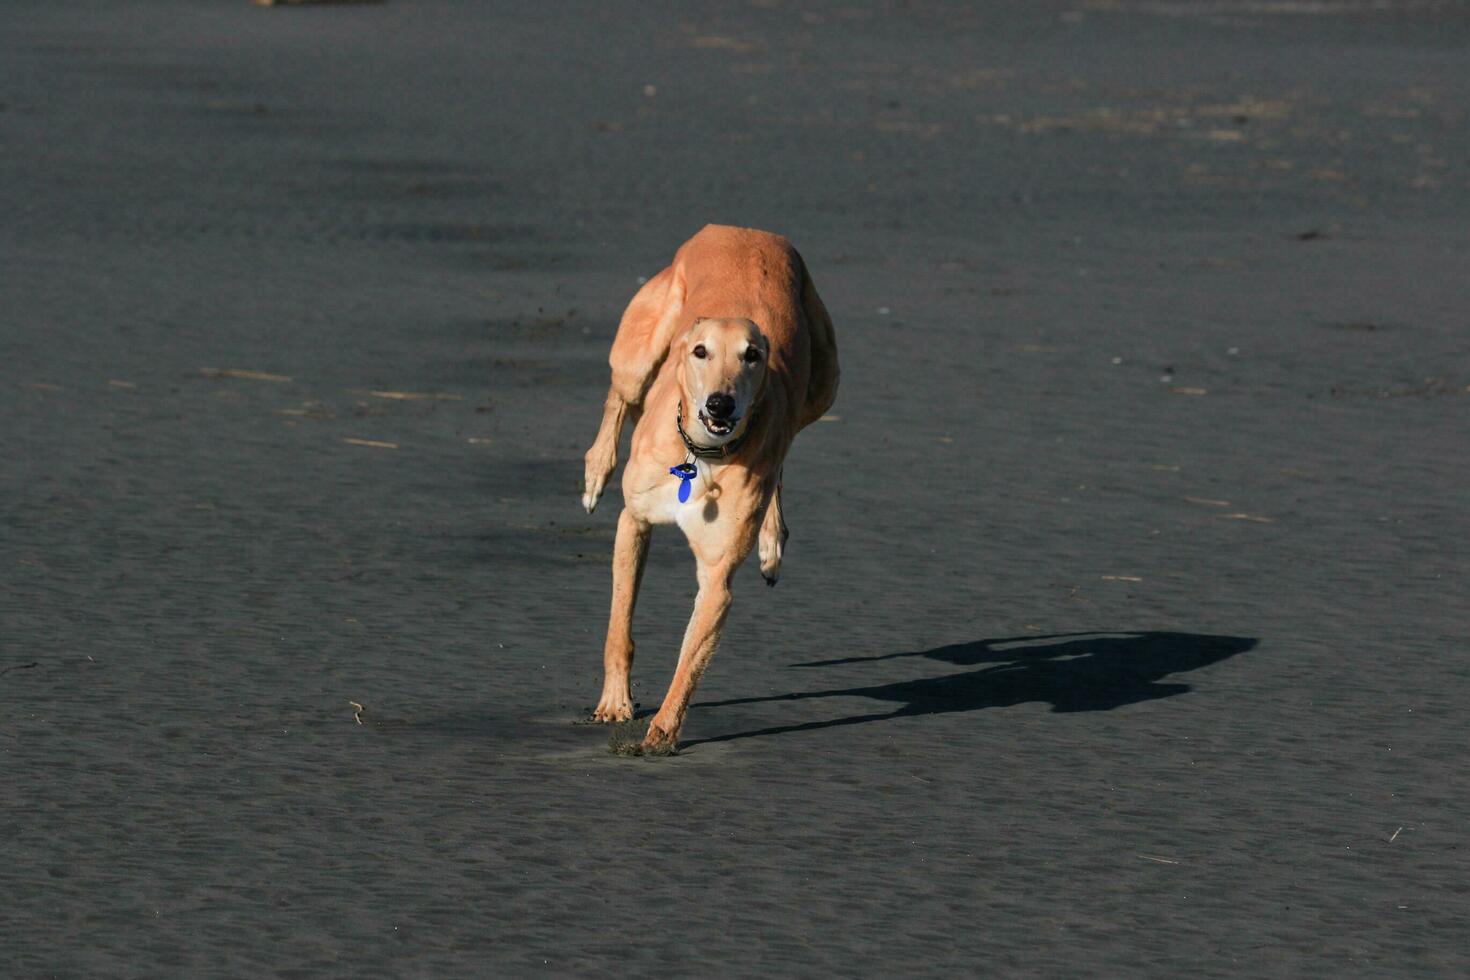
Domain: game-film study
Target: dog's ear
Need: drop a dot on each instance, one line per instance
(679, 379)
(760, 336)
(761, 340)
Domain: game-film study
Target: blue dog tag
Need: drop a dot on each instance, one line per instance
(685, 472)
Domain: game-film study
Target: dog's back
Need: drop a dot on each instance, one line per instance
(724, 271)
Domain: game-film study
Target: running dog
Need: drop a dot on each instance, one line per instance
(720, 360)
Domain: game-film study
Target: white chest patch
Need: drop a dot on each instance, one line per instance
(661, 504)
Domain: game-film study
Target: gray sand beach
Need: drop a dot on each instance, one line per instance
(1123, 626)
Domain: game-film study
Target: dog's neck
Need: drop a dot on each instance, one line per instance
(713, 452)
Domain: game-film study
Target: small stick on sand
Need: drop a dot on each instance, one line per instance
(414, 396)
(237, 373)
(375, 443)
(302, 3)
(357, 711)
(1396, 835)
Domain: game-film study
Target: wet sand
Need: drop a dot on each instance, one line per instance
(1123, 625)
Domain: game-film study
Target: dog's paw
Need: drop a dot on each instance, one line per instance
(612, 710)
(591, 490)
(612, 715)
(658, 742)
(594, 478)
(771, 565)
(771, 548)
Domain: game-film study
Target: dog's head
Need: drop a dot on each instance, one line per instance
(722, 370)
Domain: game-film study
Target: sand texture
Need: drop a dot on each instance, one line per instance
(1123, 626)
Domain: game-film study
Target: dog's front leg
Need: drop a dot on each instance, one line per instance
(629, 553)
(716, 570)
(602, 458)
(711, 606)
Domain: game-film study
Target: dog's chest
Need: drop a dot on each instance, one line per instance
(660, 504)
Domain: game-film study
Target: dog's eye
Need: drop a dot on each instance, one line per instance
(752, 354)
(699, 351)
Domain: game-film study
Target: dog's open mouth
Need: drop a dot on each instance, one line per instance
(717, 427)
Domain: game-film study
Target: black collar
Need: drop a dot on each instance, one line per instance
(709, 452)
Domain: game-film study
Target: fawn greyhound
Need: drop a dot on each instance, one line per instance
(720, 359)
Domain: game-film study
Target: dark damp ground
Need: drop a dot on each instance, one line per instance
(1123, 626)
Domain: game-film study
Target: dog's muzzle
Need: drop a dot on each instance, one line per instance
(718, 414)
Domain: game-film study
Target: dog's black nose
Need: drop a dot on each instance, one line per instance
(719, 407)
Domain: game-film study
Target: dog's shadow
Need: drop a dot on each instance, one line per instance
(1069, 671)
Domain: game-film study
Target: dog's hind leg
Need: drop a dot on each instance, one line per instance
(773, 538)
(821, 389)
(602, 457)
(642, 343)
(629, 554)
